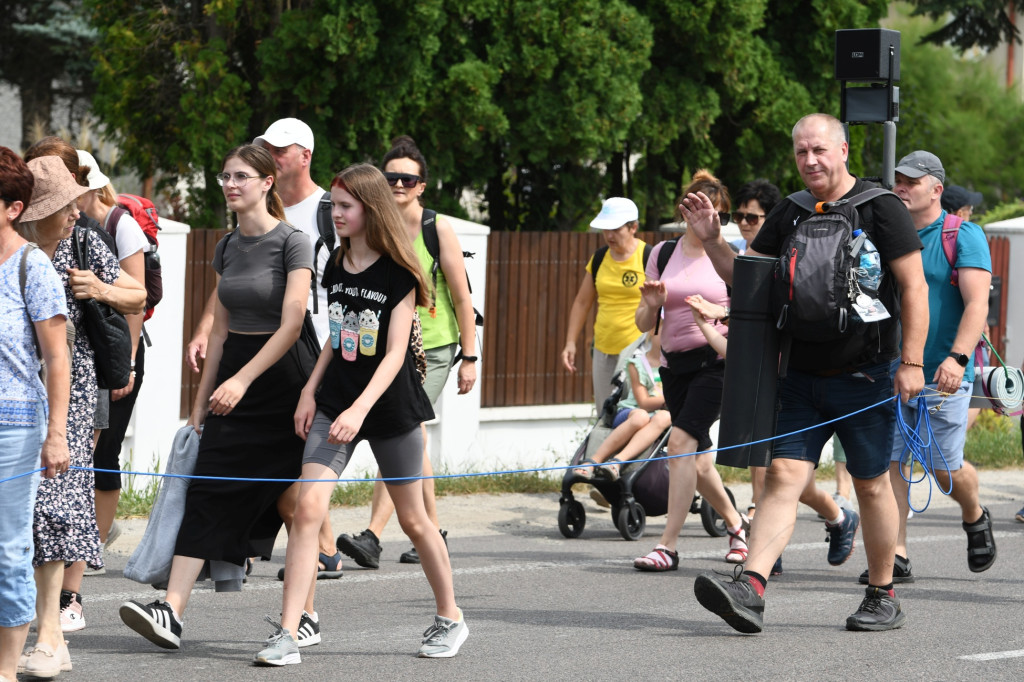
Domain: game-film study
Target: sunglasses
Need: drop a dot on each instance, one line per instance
(723, 217)
(408, 181)
(749, 218)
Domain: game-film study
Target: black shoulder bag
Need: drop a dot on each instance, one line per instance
(107, 330)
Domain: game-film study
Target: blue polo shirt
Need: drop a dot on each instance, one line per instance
(945, 303)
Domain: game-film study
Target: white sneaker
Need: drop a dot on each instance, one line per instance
(72, 617)
(280, 648)
(444, 638)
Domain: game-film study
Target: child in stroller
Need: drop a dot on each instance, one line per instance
(640, 417)
(632, 429)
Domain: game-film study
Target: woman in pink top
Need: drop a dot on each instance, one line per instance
(692, 375)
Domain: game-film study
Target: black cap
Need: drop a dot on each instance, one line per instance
(955, 197)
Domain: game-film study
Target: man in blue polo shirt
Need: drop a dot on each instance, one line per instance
(959, 307)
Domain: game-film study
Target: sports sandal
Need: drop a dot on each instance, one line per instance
(981, 544)
(610, 471)
(737, 553)
(660, 559)
(331, 566)
(586, 473)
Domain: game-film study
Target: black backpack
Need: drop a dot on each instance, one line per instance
(433, 245)
(815, 279)
(327, 238)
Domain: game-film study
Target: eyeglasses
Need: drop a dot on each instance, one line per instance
(749, 218)
(723, 217)
(239, 178)
(408, 181)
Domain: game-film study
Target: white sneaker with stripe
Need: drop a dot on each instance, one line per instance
(308, 632)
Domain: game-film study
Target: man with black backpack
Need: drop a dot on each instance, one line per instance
(859, 366)
(307, 207)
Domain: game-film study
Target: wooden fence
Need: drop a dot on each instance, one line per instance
(532, 279)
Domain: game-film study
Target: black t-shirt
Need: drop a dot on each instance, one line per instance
(888, 224)
(359, 309)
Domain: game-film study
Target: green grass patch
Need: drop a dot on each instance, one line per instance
(360, 493)
(138, 493)
(994, 442)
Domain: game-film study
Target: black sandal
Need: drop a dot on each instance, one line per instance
(586, 473)
(981, 544)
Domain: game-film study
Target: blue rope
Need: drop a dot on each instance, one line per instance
(918, 443)
(465, 475)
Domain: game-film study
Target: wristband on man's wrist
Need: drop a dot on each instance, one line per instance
(912, 364)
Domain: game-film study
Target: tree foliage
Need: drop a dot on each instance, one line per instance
(957, 109)
(45, 52)
(971, 23)
(538, 108)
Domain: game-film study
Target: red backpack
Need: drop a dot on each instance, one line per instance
(144, 213)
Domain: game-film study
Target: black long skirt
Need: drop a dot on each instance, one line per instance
(232, 520)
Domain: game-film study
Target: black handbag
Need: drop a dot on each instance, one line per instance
(107, 330)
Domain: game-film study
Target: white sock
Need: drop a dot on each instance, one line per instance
(839, 519)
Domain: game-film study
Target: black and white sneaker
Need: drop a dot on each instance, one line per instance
(308, 632)
(156, 622)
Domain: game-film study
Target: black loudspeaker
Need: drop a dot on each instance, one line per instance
(862, 54)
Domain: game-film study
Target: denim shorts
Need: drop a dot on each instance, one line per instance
(19, 453)
(947, 419)
(807, 400)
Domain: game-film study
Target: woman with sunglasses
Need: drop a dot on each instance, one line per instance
(692, 376)
(256, 365)
(448, 322)
(755, 200)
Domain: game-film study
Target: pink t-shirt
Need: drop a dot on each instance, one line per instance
(684, 277)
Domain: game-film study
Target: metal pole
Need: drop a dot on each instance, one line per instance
(888, 154)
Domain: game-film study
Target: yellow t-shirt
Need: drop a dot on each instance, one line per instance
(618, 295)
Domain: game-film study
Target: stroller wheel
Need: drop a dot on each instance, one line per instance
(712, 522)
(631, 521)
(571, 519)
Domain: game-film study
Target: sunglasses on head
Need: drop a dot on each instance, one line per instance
(749, 218)
(408, 181)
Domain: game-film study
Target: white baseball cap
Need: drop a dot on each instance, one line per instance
(287, 131)
(96, 177)
(615, 212)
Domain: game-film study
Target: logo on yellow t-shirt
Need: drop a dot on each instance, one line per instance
(629, 279)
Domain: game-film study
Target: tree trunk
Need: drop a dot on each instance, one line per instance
(36, 109)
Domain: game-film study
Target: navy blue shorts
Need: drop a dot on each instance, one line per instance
(807, 400)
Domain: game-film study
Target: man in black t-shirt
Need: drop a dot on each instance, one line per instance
(830, 380)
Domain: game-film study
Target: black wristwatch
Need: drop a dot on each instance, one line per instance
(470, 358)
(961, 358)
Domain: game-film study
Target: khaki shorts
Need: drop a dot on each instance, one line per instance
(439, 364)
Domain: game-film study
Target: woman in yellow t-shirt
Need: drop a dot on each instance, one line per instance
(616, 288)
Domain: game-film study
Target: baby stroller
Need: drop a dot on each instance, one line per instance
(642, 487)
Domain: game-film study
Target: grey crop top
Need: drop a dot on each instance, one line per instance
(254, 273)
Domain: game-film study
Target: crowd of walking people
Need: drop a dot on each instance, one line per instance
(337, 318)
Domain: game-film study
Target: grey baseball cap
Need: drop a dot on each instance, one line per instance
(920, 163)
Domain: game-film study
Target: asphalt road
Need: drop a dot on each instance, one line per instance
(540, 606)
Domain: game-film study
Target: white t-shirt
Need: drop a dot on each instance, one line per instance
(303, 216)
(130, 238)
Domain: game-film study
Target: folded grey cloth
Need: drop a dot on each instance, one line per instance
(150, 563)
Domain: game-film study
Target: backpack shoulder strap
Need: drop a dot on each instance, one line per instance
(428, 224)
(595, 264)
(113, 218)
(22, 281)
(804, 200)
(647, 253)
(950, 233)
(868, 195)
(325, 237)
(666, 252)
